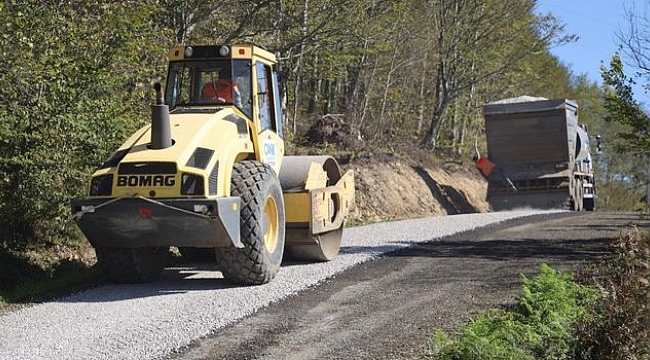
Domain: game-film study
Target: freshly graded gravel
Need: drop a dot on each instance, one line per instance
(149, 321)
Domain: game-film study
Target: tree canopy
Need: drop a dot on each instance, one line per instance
(76, 78)
(628, 122)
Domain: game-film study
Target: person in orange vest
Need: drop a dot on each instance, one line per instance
(488, 168)
(221, 90)
(217, 90)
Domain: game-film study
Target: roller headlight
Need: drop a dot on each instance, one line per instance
(101, 185)
(192, 184)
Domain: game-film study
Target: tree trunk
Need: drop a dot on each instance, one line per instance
(422, 93)
(441, 99)
(366, 98)
(384, 100)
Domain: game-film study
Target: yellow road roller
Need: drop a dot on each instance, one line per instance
(209, 175)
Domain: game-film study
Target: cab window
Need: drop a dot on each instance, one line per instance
(241, 76)
(200, 82)
(264, 99)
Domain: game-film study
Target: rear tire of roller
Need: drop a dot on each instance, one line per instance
(132, 265)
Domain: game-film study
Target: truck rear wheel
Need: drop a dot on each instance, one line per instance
(132, 265)
(262, 226)
(579, 201)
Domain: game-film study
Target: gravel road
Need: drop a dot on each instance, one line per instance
(156, 320)
(386, 308)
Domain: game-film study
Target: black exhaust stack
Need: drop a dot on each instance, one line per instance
(161, 136)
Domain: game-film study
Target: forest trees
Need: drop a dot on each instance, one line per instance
(476, 41)
(423, 68)
(623, 108)
(76, 78)
(630, 141)
(619, 101)
(74, 82)
(396, 67)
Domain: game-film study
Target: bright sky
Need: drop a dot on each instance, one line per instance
(597, 23)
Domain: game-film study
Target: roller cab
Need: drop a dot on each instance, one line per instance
(209, 175)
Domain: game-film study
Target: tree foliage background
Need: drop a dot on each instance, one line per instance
(627, 123)
(76, 79)
(73, 84)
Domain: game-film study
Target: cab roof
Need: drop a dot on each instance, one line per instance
(211, 52)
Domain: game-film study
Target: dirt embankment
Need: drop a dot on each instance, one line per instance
(401, 187)
(399, 182)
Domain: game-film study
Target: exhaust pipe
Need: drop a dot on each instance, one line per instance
(161, 136)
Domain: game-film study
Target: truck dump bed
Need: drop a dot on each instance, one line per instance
(533, 143)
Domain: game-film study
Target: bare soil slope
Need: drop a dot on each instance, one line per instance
(400, 187)
(396, 180)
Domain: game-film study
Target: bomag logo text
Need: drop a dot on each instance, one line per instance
(146, 180)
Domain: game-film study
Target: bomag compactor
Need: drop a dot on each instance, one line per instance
(209, 175)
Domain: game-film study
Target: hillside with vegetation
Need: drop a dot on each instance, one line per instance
(388, 87)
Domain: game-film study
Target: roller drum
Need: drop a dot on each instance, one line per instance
(294, 170)
(301, 242)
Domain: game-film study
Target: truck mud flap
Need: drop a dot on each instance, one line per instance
(142, 222)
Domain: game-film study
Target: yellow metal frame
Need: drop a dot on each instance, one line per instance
(324, 208)
(318, 206)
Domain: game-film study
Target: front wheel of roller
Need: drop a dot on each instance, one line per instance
(326, 248)
(132, 265)
(261, 224)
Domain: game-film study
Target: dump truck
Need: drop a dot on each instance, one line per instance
(540, 155)
(209, 175)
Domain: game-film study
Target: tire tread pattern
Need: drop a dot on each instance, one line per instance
(253, 181)
(132, 265)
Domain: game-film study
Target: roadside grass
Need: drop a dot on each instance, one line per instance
(24, 279)
(601, 313)
(33, 290)
(617, 327)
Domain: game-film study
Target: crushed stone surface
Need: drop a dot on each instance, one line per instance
(151, 321)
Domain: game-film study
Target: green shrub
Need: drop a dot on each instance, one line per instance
(551, 304)
(538, 326)
(71, 93)
(494, 335)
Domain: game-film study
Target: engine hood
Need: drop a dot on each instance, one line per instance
(190, 128)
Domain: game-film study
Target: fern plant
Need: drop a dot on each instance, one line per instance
(538, 326)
